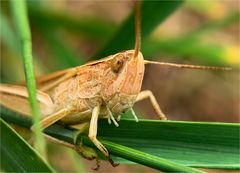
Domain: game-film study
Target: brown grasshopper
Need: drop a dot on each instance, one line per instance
(100, 89)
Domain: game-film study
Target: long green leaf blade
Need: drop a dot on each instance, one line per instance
(19, 10)
(17, 155)
(119, 150)
(195, 144)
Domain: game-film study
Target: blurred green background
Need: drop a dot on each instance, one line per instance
(69, 33)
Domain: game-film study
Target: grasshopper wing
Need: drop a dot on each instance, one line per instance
(47, 82)
(16, 98)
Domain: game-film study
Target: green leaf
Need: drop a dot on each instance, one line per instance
(17, 155)
(19, 10)
(194, 144)
(67, 135)
(153, 13)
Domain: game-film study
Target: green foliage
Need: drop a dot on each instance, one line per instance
(166, 146)
(17, 155)
(98, 29)
(190, 45)
(163, 145)
(124, 39)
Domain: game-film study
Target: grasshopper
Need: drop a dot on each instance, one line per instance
(105, 88)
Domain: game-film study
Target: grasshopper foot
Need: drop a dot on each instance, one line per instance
(82, 151)
(87, 153)
(111, 161)
(97, 165)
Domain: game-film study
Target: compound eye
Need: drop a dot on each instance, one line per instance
(117, 63)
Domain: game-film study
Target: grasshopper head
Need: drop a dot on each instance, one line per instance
(122, 80)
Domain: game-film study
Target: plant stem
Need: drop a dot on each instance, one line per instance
(19, 10)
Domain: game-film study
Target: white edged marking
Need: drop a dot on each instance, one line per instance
(119, 117)
(111, 117)
(134, 115)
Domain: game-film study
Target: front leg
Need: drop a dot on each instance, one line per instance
(93, 134)
(148, 94)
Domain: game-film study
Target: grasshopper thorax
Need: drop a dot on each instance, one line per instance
(122, 81)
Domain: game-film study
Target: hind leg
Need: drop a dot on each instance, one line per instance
(86, 152)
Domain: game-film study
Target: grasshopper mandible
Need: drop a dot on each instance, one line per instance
(100, 89)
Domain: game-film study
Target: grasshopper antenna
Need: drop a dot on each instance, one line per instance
(137, 28)
(188, 66)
